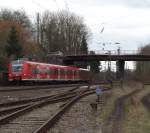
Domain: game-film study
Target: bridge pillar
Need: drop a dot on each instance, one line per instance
(120, 69)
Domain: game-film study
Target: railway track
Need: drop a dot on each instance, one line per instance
(45, 87)
(24, 88)
(8, 107)
(39, 116)
(37, 108)
(13, 96)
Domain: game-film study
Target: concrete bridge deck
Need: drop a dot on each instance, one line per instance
(106, 57)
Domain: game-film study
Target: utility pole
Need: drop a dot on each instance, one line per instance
(109, 64)
(38, 28)
(118, 51)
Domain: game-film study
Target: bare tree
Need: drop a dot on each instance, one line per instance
(63, 31)
(18, 16)
(143, 67)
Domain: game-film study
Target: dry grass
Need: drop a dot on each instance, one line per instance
(137, 117)
(109, 103)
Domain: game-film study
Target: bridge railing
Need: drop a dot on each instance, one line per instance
(113, 52)
(121, 52)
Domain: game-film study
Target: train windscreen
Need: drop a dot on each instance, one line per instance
(17, 67)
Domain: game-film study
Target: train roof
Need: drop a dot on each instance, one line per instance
(53, 65)
(84, 69)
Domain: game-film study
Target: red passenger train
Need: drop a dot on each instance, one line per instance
(21, 70)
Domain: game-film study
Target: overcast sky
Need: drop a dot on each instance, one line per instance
(124, 21)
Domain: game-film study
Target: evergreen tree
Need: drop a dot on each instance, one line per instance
(94, 65)
(84, 45)
(13, 48)
(83, 51)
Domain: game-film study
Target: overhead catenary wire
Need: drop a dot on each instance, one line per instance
(67, 5)
(58, 7)
(38, 4)
(117, 19)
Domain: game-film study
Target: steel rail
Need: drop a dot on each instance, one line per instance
(18, 113)
(48, 124)
(56, 98)
(39, 87)
(12, 103)
(12, 109)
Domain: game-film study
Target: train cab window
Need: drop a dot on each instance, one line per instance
(17, 67)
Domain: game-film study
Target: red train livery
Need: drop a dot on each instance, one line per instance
(33, 71)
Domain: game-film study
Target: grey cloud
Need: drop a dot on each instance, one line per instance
(128, 3)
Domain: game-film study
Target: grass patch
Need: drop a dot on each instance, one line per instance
(109, 105)
(137, 117)
(137, 120)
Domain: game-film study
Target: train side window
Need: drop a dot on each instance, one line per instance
(39, 72)
(68, 72)
(62, 72)
(49, 72)
(34, 71)
(52, 72)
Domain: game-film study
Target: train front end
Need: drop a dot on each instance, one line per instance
(15, 69)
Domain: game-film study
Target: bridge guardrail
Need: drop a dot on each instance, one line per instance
(111, 52)
(120, 52)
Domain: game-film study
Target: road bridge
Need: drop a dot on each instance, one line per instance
(104, 57)
(120, 58)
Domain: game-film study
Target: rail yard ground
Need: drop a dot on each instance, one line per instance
(123, 109)
(123, 112)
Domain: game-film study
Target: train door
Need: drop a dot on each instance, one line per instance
(59, 73)
(65, 74)
(54, 73)
(70, 73)
(49, 73)
(75, 74)
(62, 73)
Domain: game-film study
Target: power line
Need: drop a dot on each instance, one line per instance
(116, 19)
(38, 4)
(66, 4)
(57, 4)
